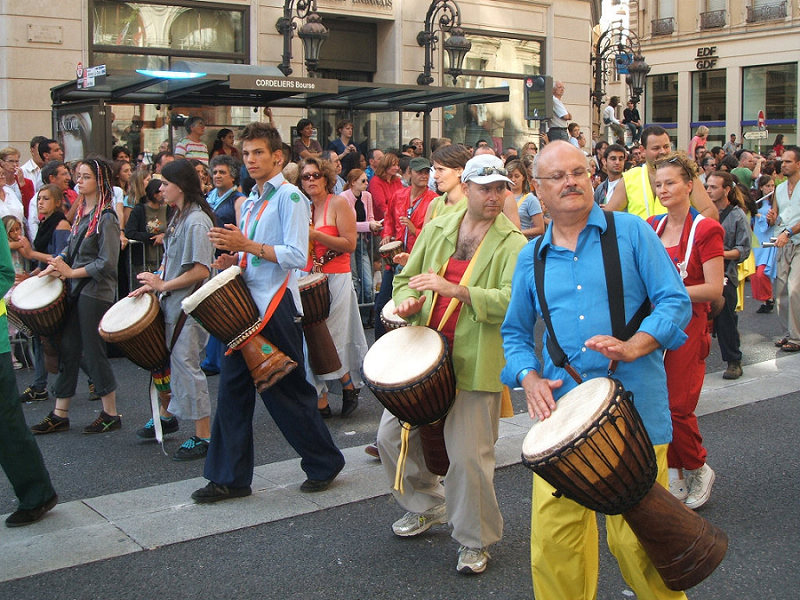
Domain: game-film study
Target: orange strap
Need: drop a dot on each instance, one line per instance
(271, 308)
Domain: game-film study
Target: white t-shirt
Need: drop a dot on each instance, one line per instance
(12, 205)
(609, 115)
(559, 111)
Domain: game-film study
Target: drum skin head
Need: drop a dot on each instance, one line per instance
(310, 279)
(403, 355)
(125, 313)
(388, 313)
(390, 246)
(575, 412)
(36, 292)
(190, 303)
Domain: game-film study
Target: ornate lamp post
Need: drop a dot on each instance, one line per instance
(313, 33)
(622, 45)
(443, 17)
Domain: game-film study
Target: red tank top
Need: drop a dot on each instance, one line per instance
(340, 264)
(453, 274)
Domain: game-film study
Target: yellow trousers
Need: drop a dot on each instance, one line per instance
(565, 553)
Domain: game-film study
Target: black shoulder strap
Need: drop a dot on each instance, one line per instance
(613, 273)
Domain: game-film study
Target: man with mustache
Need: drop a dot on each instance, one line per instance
(638, 195)
(580, 303)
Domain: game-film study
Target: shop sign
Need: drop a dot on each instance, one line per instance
(706, 58)
(285, 84)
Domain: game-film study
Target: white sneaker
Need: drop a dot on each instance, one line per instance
(679, 488)
(472, 560)
(700, 483)
(411, 523)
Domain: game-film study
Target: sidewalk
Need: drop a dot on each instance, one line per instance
(117, 524)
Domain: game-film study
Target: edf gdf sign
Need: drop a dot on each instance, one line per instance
(706, 58)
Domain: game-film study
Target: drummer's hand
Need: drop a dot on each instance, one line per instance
(386, 240)
(48, 270)
(539, 394)
(433, 282)
(614, 349)
(20, 277)
(410, 306)
(375, 226)
(151, 280)
(58, 264)
(401, 258)
(224, 261)
(229, 238)
(139, 291)
(25, 248)
(412, 229)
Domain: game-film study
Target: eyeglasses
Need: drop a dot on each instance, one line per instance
(10, 160)
(560, 177)
(491, 171)
(309, 176)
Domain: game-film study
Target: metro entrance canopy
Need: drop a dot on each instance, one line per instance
(247, 85)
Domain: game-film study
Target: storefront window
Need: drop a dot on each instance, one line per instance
(773, 89)
(708, 105)
(135, 35)
(661, 103)
(494, 62)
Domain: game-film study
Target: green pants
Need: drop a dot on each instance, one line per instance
(19, 454)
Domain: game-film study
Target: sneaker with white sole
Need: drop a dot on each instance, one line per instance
(700, 482)
(412, 523)
(472, 560)
(679, 488)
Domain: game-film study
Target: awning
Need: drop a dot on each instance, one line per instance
(247, 85)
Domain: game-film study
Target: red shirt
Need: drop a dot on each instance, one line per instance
(398, 207)
(453, 274)
(382, 193)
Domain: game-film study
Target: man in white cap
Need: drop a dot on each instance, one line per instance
(468, 257)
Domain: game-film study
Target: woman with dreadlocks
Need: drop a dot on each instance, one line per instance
(89, 264)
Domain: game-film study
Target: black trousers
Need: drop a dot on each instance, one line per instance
(292, 403)
(726, 326)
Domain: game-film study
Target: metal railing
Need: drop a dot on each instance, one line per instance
(713, 19)
(664, 26)
(768, 12)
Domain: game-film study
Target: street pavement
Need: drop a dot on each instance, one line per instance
(126, 527)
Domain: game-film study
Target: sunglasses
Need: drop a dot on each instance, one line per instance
(309, 176)
(491, 171)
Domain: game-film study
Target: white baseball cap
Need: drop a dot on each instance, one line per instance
(484, 168)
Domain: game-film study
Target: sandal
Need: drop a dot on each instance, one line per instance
(790, 347)
(781, 342)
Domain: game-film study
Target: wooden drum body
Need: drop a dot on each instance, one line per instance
(390, 320)
(40, 303)
(594, 449)
(410, 371)
(389, 251)
(226, 309)
(316, 299)
(136, 325)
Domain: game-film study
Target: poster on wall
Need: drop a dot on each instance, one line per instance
(82, 129)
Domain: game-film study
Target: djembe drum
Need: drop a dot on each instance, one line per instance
(389, 251)
(316, 299)
(40, 304)
(226, 309)
(410, 371)
(594, 450)
(389, 319)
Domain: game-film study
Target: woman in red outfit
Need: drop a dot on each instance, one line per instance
(695, 245)
(333, 238)
(385, 183)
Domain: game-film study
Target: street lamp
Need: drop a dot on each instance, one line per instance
(622, 46)
(313, 33)
(446, 15)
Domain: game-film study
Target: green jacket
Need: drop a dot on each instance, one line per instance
(6, 281)
(478, 352)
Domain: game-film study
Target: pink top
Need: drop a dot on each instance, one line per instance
(366, 199)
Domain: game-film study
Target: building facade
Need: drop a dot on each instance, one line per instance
(44, 43)
(719, 63)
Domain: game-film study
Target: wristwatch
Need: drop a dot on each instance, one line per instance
(788, 231)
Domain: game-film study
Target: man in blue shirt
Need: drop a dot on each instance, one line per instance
(578, 300)
(272, 242)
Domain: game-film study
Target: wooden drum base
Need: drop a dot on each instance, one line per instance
(322, 355)
(267, 364)
(685, 548)
(433, 447)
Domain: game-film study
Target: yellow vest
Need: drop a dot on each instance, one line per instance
(641, 200)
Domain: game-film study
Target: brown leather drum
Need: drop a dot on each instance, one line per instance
(389, 251)
(226, 309)
(389, 319)
(410, 371)
(315, 296)
(594, 449)
(40, 303)
(136, 325)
